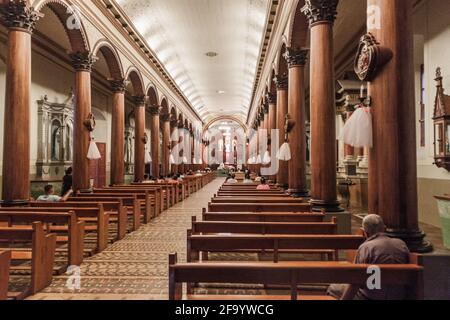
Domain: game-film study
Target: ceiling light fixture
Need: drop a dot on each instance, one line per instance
(221, 92)
(211, 54)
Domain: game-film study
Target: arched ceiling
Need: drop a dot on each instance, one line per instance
(182, 32)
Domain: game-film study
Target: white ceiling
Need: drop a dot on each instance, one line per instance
(181, 32)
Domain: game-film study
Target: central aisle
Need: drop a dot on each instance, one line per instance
(137, 266)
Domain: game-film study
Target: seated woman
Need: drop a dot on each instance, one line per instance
(258, 178)
(50, 195)
(263, 185)
(247, 178)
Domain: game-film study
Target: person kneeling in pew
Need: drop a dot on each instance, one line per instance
(379, 248)
(50, 195)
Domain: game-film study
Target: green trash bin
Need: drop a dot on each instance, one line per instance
(444, 213)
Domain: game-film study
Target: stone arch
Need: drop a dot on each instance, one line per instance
(77, 36)
(152, 96)
(298, 32)
(283, 68)
(224, 118)
(112, 58)
(164, 106)
(136, 80)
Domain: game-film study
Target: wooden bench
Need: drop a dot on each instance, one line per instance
(5, 261)
(131, 206)
(42, 255)
(259, 207)
(262, 200)
(254, 193)
(270, 243)
(146, 204)
(75, 229)
(293, 228)
(263, 216)
(152, 198)
(291, 274)
(170, 192)
(96, 216)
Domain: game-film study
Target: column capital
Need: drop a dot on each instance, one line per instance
(165, 117)
(282, 82)
(155, 110)
(180, 124)
(271, 98)
(18, 15)
(296, 57)
(320, 11)
(118, 85)
(139, 100)
(83, 61)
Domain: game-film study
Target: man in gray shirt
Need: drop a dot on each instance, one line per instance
(379, 248)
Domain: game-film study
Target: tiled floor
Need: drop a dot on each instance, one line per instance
(136, 267)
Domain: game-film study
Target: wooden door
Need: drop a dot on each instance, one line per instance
(97, 168)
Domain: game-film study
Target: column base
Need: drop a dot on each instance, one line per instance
(14, 203)
(327, 206)
(296, 193)
(414, 239)
(282, 186)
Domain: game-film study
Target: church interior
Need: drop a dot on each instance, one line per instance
(224, 150)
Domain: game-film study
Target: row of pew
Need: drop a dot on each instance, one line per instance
(306, 252)
(44, 239)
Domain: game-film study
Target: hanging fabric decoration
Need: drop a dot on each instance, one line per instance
(267, 159)
(171, 159)
(258, 159)
(284, 154)
(185, 160)
(357, 131)
(93, 152)
(148, 157)
(194, 161)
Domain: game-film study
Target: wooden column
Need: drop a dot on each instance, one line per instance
(392, 161)
(181, 140)
(282, 83)
(271, 123)
(321, 15)
(174, 135)
(139, 138)
(82, 63)
(296, 108)
(154, 139)
(165, 144)
(118, 133)
(20, 21)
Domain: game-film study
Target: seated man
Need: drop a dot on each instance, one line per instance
(50, 195)
(232, 179)
(379, 248)
(247, 178)
(263, 185)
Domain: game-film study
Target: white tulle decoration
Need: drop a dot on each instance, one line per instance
(200, 161)
(148, 157)
(357, 131)
(258, 159)
(171, 159)
(284, 154)
(185, 160)
(194, 161)
(250, 161)
(267, 159)
(93, 152)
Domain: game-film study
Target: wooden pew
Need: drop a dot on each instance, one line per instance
(291, 274)
(170, 192)
(131, 206)
(263, 216)
(254, 193)
(97, 215)
(293, 228)
(5, 261)
(262, 200)
(145, 202)
(259, 207)
(42, 255)
(269, 242)
(75, 229)
(150, 196)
